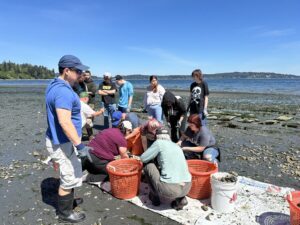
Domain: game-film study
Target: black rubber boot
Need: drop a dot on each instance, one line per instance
(76, 201)
(65, 209)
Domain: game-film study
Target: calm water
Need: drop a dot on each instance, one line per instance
(276, 86)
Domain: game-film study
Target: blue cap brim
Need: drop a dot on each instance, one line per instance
(82, 67)
(116, 123)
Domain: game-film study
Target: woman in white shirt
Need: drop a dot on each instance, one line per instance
(153, 98)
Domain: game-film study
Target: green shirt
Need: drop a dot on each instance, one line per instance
(170, 157)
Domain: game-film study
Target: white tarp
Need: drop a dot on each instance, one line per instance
(257, 203)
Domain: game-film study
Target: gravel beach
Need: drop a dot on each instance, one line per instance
(258, 135)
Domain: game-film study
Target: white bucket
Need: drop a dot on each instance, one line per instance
(224, 194)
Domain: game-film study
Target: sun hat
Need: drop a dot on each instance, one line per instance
(71, 61)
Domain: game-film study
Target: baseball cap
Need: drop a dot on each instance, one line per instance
(162, 130)
(83, 94)
(127, 124)
(116, 117)
(107, 74)
(119, 77)
(71, 61)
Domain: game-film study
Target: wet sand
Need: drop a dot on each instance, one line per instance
(269, 153)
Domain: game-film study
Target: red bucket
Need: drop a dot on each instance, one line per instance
(124, 177)
(294, 199)
(201, 171)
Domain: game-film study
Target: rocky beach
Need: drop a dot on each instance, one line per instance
(258, 135)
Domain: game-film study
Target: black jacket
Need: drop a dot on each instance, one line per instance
(177, 107)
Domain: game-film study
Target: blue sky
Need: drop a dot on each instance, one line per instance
(154, 36)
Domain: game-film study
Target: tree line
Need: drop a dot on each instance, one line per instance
(10, 70)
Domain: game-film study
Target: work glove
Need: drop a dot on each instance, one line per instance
(128, 109)
(178, 124)
(169, 125)
(205, 112)
(84, 151)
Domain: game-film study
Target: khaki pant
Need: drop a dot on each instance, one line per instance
(69, 164)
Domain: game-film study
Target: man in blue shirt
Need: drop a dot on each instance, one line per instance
(64, 132)
(169, 176)
(125, 94)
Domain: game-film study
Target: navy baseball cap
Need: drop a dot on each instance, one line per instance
(116, 118)
(119, 77)
(71, 61)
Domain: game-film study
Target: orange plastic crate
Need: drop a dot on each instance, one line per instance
(201, 171)
(124, 177)
(293, 200)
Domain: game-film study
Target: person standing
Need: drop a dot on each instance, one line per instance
(199, 96)
(107, 89)
(88, 114)
(174, 110)
(153, 98)
(125, 94)
(91, 88)
(64, 132)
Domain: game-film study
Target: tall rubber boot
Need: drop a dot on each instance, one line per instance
(65, 209)
(76, 201)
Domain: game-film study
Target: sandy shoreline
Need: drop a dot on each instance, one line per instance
(269, 153)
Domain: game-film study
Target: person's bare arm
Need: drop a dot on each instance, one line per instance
(101, 92)
(98, 113)
(193, 149)
(123, 152)
(205, 101)
(130, 101)
(110, 92)
(133, 133)
(64, 119)
(144, 142)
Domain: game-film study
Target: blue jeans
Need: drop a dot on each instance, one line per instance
(156, 112)
(210, 154)
(203, 119)
(109, 109)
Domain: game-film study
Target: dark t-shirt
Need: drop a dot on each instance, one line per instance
(134, 119)
(108, 99)
(203, 138)
(107, 142)
(198, 92)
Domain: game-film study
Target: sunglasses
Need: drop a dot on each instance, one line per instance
(79, 72)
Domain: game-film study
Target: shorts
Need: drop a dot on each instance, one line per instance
(69, 164)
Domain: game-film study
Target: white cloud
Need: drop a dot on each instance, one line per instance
(277, 33)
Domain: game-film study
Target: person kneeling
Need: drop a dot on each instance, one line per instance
(106, 145)
(197, 142)
(169, 176)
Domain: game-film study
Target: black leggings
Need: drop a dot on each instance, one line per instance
(97, 169)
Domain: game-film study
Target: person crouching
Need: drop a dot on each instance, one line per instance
(169, 176)
(105, 146)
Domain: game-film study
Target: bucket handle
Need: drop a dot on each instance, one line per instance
(114, 168)
(225, 195)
